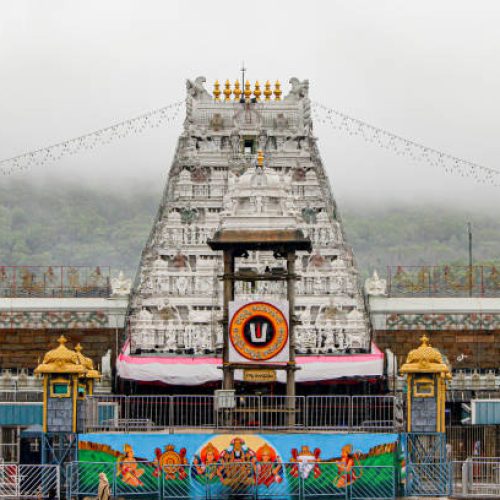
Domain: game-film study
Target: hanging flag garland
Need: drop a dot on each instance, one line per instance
(404, 147)
(89, 141)
(322, 114)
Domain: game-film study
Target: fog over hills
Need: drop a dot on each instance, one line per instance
(66, 223)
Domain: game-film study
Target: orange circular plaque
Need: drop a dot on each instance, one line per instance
(258, 331)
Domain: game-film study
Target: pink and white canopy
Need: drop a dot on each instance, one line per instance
(201, 370)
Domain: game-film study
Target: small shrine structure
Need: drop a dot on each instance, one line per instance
(426, 375)
(68, 376)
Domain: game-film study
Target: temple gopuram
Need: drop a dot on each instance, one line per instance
(174, 322)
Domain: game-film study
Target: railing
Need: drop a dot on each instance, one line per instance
(29, 481)
(252, 479)
(476, 477)
(443, 281)
(21, 396)
(465, 441)
(9, 452)
(146, 413)
(54, 281)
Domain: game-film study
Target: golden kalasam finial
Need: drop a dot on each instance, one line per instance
(257, 92)
(267, 91)
(62, 340)
(424, 339)
(217, 91)
(237, 90)
(227, 91)
(247, 91)
(260, 158)
(277, 91)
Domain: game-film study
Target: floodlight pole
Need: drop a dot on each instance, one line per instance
(469, 231)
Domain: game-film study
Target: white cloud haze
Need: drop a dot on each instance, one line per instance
(427, 70)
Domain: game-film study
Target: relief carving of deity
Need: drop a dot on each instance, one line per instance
(216, 123)
(281, 122)
(309, 215)
(199, 174)
(181, 262)
(189, 215)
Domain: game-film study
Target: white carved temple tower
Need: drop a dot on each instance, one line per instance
(174, 331)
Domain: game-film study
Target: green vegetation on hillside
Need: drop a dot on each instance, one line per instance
(67, 224)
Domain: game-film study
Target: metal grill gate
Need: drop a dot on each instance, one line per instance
(29, 481)
(427, 471)
(244, 480)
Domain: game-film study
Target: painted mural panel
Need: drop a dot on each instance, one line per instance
(273, 464)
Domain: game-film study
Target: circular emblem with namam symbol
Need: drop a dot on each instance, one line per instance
(258, 331)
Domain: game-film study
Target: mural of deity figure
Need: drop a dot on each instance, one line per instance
(206, 463)
(128, 468)
(237, 475)
(305, 462)
(345, 467)
(269, 468)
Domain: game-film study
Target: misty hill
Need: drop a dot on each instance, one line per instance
(63, 224)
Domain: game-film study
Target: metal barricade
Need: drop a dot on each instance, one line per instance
(150, 413)
(29, 481)
(329, 412)
(371, 413)
(476, 477)
(224, 480)
(282, 412)
(147, 413)
(240, 412)
(106, 413)
(192, 412)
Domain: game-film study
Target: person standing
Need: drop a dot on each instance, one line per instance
(103, 492)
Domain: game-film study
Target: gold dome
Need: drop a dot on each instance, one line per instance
(60, 360)
(87, 363)
(425, 359)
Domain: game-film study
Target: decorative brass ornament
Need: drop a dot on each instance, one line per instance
(260, 158)
(267, 91)
(257, 92)
(237, 90)
(277, 91)
(217, 90)
(227, 91)
(248, 91)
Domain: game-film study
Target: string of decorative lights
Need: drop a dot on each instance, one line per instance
(404, 147)
(136, 125)
(322, 114)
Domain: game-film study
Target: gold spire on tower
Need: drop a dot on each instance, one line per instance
(277, 91)
(217, 91)
(267, 91)
(257, 92)
(237, 90)
(227, 91)
(260, 158)
(247, 91)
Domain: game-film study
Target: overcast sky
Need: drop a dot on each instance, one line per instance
(427, 70)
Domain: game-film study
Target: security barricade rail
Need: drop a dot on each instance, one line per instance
(29, 481)
(476, 477)
(110, 413)
(224, 480)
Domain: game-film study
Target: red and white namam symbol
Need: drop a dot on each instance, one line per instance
(258, 331)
